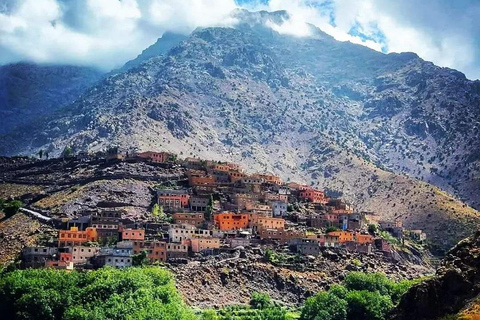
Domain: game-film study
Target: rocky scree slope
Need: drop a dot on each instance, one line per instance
(306, 108)
(69, 187)
(231, 278)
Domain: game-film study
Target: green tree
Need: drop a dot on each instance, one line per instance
(324, 306)
(67, 152)
(10, 208)
(366, 305)
(158, 213)
(331, 229)
(369, 281)
(209, 209)
(209, 314)
(260, 300)
(107, 293)
(338, 291)
(140, 259)
(155, 210)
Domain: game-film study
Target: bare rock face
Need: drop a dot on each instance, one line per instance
(457, 282)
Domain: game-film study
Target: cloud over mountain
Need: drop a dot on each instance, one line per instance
(107, 33)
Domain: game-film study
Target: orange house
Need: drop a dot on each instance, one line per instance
(195, 180)
(156, 250)
(231, 221)
(262, 222)
(233, 166)
(283, 236)
(65, 257)
(133, 234)
(236, 175)
(74, 237)
(220, 167)
(343, 236)
(314, 196)
(158, 157)
(363, 238)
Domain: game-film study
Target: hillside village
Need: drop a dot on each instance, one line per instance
(219, 207)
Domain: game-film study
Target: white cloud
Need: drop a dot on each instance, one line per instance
(102, 33)
(107, 33)
(443, 31)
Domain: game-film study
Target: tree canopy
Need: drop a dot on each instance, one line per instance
(133, 293)
(364, 296)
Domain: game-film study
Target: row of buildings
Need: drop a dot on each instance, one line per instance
(221, 207)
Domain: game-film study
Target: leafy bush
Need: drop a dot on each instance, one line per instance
(362, 297)
(324, 306)
(368, 281)
(10, 207)
(366, 305)
(331, 229)
(134, 293)
(260, 300)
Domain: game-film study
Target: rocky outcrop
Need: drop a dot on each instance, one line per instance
(231, 278)
(457, 282)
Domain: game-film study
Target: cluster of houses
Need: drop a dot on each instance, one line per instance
(221, 207)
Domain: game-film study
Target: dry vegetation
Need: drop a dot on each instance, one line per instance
(8, 190)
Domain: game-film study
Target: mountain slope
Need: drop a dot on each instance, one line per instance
(299, 107)
(28, 90)
(162, 46)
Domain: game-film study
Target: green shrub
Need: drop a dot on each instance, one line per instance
(362, 297)
(134, 293)
(367, 305)
(11, 207)
(332, 229)
(324, 306)
(338, 290)
(368, 281)
(260, 300)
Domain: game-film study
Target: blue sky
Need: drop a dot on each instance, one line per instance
(106, 33)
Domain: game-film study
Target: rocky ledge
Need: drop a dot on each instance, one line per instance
(455, 284)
